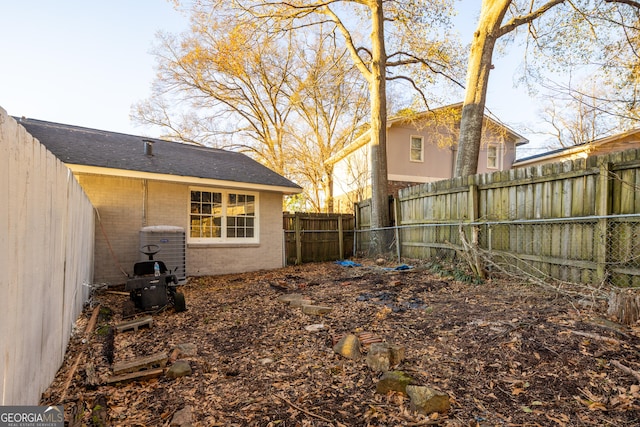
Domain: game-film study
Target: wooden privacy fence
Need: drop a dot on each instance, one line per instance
(577, 220)
(313, 237)
(46, 259)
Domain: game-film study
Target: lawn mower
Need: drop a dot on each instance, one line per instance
(152, 286)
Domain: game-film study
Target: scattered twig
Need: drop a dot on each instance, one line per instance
(424, 423)
(626, 369)
(596, 337)
(311, 414)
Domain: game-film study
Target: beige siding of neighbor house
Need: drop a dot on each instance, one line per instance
(125, 205)
(436, 164)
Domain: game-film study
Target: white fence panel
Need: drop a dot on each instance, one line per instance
(46, 257)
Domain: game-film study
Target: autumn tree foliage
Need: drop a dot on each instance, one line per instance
(228, 84)
(366, 29)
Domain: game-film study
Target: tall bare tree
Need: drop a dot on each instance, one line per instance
(370, 57)
(230, 83)
(575, 31)
(577, 115)
(329, 104)
(290, 100)
(491, 27)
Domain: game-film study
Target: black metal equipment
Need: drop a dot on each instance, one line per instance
(152, 286)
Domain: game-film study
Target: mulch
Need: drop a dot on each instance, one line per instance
(506, 353)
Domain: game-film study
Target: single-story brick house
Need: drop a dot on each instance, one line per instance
(228, 206)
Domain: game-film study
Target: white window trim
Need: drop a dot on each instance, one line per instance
(498, 156)
(421, 148)
(225, 240)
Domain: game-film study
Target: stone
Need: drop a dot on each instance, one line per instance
(183, 417)
(180, 368)
(300, 302)
(349, 347)
(393, 381)
(426, 400)
(314, 328)
(397, 354)
(183, 350)
(383, 356)
(265, 360)
(290, 297)
(379, 357)
(317, 310)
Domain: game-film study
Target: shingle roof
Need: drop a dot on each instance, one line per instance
(92, 147)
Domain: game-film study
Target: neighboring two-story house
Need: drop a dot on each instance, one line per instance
(420, 148)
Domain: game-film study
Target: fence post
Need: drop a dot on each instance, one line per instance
(298, 235)
(356, 227)
(603, 208)
(340, 237)
(396, 224)
(472, 202)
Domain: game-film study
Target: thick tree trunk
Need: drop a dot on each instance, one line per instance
(480, 58)
(377, 89)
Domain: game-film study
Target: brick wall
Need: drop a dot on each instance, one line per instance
(122, 210)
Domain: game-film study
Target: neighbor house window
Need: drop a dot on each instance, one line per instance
(223, 217)
(416, 150)
(492, 157)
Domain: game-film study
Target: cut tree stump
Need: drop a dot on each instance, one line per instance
(158, 360)
(624, 306)
(134, 324)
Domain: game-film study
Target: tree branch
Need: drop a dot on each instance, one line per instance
(416, 60)
(631, 3)
(516, 21)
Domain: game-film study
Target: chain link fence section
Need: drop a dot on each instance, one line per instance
(590, 250)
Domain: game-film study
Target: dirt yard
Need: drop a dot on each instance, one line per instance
(507, 354)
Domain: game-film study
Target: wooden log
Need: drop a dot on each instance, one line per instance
(136, 376)
(141, 363)
(90, 376)
(626, 369)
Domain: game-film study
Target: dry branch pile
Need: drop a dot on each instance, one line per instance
(505, 353)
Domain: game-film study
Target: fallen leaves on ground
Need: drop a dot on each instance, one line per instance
(506, 353)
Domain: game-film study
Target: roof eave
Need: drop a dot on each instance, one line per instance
(192, 180)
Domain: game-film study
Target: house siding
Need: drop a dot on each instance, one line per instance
(437, 161)
(122, 211)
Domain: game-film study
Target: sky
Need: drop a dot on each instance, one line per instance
(86, 62)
